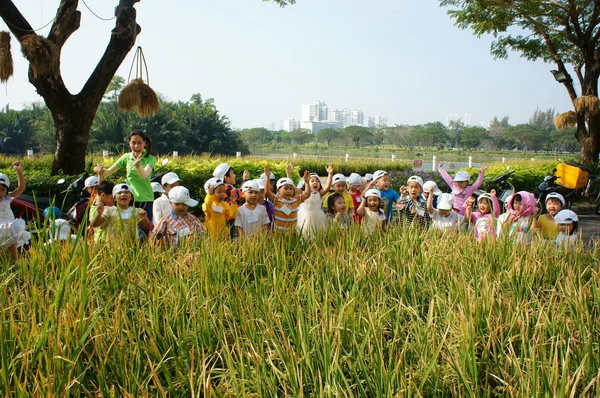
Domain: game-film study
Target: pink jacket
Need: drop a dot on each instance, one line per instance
(528, 202)
(460, 196)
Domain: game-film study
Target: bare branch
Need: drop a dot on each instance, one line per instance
(66, 22)
(16, 22)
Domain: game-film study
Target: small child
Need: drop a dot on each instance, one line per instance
(78, 211)
(286, 201)
(460, 185)
(336, 211)
(272, 180)
(123, 217)
(339, 186)
(103, 196)
(162, 206)
(218, 211)
(568, 222)
(251, 218)
(311, 217)
(436, 191)
(179, 224)
(355, 187)
(388, 195)
(373, 217)
(444, 219)
(157, 190)
(226, 173)
(517, 220)
(13, 233)
(270, 209)
(545, 223)
(483, 219)
(412, 206)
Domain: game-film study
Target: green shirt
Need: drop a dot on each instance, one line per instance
(141, 188)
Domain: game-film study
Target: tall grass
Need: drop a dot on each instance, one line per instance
(342, 315)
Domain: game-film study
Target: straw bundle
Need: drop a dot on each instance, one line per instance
(6, 61)
(138, 95)
(41, 53)
(567, 119)
(586, 103)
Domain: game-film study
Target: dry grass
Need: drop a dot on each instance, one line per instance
(6, 61)
(564, 120)
(42, 54)
(138, 96)
(587, 103)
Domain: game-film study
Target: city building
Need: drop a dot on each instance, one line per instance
(377, 120)
(315, 127)
(358, 118)
(314, 112)
(291, 124)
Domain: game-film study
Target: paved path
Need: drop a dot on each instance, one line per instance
(589, 222)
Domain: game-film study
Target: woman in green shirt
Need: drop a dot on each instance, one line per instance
(139, 164)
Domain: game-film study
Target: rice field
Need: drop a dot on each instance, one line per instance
(347, 315)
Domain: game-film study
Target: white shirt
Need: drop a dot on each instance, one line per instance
(252, 221)
(452, 222)
(161, 208)
(562, 239)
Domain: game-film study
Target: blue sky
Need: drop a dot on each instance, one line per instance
(260, 63)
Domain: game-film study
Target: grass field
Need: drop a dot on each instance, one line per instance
(343, 315)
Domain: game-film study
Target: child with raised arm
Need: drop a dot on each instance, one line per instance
(373, 217)
(104, 198)
(444, 219)
(270, 209)
(286, 201)
(162, 205)
(12, 231)
(545, 223)
(483, 220)
(251, 218)
(179, 224)
(389, 197)
(339, 184)
(311, 217)
(412, 206)
(217, 211)
(460, 185)
(356, 186)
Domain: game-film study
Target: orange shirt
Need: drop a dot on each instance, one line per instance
(286, 212)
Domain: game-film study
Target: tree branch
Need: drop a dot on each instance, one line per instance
(66, 22)
(16, 22)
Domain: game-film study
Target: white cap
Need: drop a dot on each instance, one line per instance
(284, 181)
(221, 170)
(121, 188)
(61, 230)
(90, 182)
(369, 177)
(212, 183)
(156, 187)
(378, 174)
(373, 192)
(445, 201)
(261, 183)
(338, 178)
(263, 176)
(182, 195)
(169, 178)
(485, 196)
(556, 195)
(355, 179)
(416, 179)
(4, 180)
(250, 185)
(565, 217)
(428, 185)
(300, 184)
(462, 176)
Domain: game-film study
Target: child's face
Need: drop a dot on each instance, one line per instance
(106, 199)
(444, 213)
(167, 187)
(383, 183)
(461, 184)
(566, 229)
(315, 184)
(517, 206)
(354, 188)
(179, 208)
(339, 205)
(251, 197)
(425, 194)
(373, 203)
(123, 199)
(286, 191)
(219, 193)
(414, 189)
(483, 206)
(261, 196)
(229, 177)
(339, 187)
(553, 206)
(3, 191)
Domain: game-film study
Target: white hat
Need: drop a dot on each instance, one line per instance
(284, 181)
(428, 185)
(221, 170)
(4, 180)
(300, 184)
(369, 177)
(61, 230)
(565, 217)
(378, 174)
(263, 176)
(261, 183)
(90, 182)
(121, 188)
(373, 192)
(355, 179)
(169, 178)
(484, 196)
(250, 185)
(416, 179)
(462, 176)
(338, 178)
(212, 183)
(445, 201)
(156, 187)
(556, 195)
(182, 195)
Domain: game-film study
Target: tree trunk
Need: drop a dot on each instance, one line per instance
(71, 144)
(590, 139)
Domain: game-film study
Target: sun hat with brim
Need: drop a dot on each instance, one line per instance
(355, 179)
(338, 178)
(4, 180)
(261, 183)
(369, 177)
(156, 187)
(462, 176)
(182, 195)
(485, 196)
(566, 217)
(445, 202)
(263, 176)
(221, 170)
(378, 174)
(121, 188)
(556, 195)
(284, 181)
(90, 182)
(428, 185)
(250, 185)
(373, 193)
(169, 178)
(416, 179)
(212, 183)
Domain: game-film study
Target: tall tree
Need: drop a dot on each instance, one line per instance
(328, 135)
(564, 32)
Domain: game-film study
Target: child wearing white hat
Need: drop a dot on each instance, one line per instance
(251, 218)
(568, 222)
(412, 206)
(355, 187)
(369, 208)
(339, 183)
(460, 185)
(484, 219)
(162, 205)
(389, 197)
(311, 217)
(15, 235)
(286, 201)
(436, 191)
(443, 218)
(178, 224)
(545, 223)
(217, 210)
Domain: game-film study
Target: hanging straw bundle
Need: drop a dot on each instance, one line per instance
(137, 94)
(586, 103)
(567, 119)
(41, 53)
(6, 61)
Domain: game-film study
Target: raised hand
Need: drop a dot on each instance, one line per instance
(234, 196)
(403, 190)
(306, 176)
(493, 193)
(469, 202)
(17, 165)
(289, 169)
(246, 175)
(99, 169)
(143, 213)
(329, 168)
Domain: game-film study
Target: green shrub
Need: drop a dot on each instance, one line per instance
(528, 174)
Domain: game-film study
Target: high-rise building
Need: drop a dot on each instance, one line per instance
(291, 124)
(377, 120)
(358, 118)
(315, 127)
(314, 112)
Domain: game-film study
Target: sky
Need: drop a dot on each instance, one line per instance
(260, 62)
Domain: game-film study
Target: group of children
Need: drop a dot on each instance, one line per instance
(271, 205)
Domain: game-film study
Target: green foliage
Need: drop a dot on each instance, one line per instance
(361, 167)
(528, 175)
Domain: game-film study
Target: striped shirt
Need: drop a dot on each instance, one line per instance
(175, 227)
(286, 212)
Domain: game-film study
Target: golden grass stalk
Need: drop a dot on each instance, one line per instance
(564, 120)
(6, 61)
(41, 53)
(139, 96)
(587, 103)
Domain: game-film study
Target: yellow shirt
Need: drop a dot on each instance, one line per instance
(216, 216)
(347, 199)
(548, 228)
